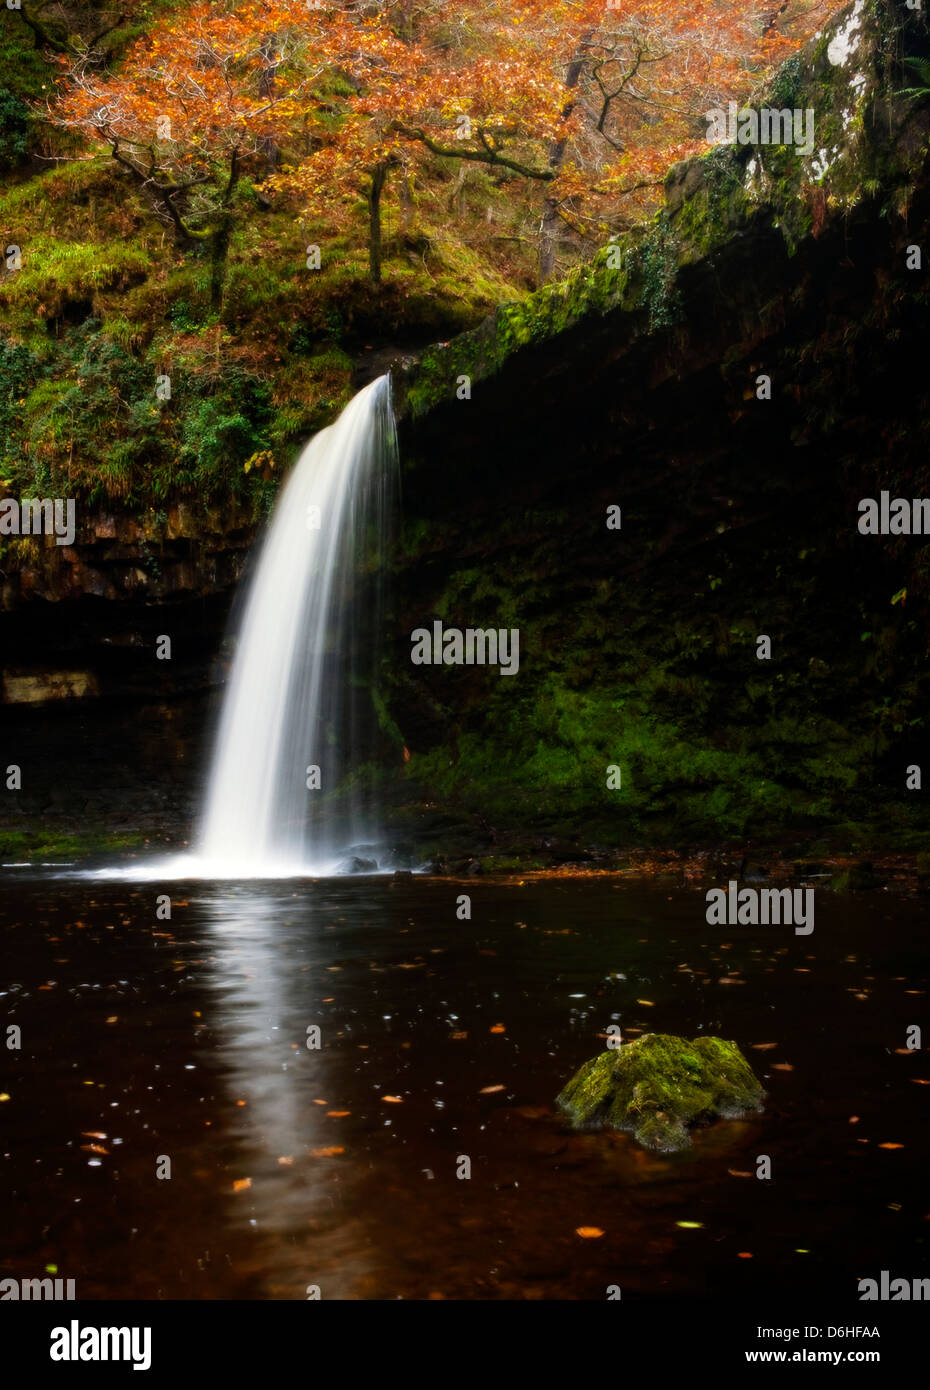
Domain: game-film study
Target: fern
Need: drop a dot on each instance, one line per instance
(922, 68)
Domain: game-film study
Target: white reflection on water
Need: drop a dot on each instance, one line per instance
(266, 962)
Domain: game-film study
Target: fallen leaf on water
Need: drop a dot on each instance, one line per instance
(854, 1119)
(241, 1184)
(114, 1019)
(338, 1114)
(743, 1255)
(782, 1066)
(93, 1134)
(891, 1146)
(905, 1052)
(648, 1003)
(94, 1149)
(919, 1081)
(393, 1100)
(241, 1102)
(690, 1225)
(489, 1090)
(4, 1095)
(762, 1047)
(327, 1153)
(285, 1160)
(588, 1232)
(321, 1102)
(498, 1028)
(458, 1036)
(738, 1173)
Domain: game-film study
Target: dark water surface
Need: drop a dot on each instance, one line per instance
(187, 1039)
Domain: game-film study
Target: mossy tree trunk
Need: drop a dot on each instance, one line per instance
(379, 176)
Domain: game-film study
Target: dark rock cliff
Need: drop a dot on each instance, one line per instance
(639, 383)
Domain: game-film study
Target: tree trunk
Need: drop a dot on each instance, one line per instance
(268, 144)
(378, 179)
(549, 229)
(406, 202)
(219, 249)
(219, 242)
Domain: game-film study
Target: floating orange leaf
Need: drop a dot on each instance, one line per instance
(327, 1153)
(588, 1232)
(489, 1090)
(241, 1184)
(498, 1028)
(393, 1100)
(338, 1114)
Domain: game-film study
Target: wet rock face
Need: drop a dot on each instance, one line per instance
(181, 553)
(659, 1087)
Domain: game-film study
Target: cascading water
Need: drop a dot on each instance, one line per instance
(299, 693)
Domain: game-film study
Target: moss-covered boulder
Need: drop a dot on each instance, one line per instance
(659, 1086)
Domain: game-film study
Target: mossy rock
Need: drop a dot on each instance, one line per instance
(660, 1086)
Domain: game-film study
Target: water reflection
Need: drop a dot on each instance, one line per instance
(289, 1184)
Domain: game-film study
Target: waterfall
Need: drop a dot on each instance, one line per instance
(299, 696)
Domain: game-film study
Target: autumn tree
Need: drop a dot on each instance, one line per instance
(587, 100)
(417, 96)
(198, 102)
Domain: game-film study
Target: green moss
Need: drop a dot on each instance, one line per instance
(660, 1086)
(45, 843)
